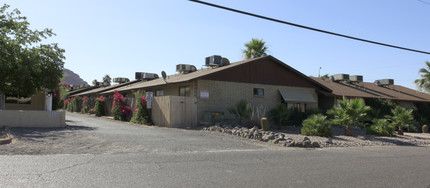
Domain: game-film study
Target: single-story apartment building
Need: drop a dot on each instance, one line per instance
(403, 96)
(265, 82)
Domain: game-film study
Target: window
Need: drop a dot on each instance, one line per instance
(17, 100)
(184, 91)
(258, 92)
(159, 92)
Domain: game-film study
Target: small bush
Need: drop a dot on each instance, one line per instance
(120, 109)
(317, 125)
(85, 106)
(279, 115)
(381, 127)
(99, 107)
(141, 113)
(296, 116)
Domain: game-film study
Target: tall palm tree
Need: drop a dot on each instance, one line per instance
(350, 112)
(423, 83)
(255, 48)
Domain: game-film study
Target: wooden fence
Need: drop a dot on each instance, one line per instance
(174, 111)
(167, 111)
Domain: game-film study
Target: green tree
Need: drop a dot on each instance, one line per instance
(350, 112)
(107, 80)
(402, 118)
(26, 65)
(255, 48)
(423, 83)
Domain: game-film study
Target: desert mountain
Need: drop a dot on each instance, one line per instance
(72, 78)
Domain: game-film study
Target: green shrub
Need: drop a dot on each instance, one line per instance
(120, 109)
(381, 127)
(296, 116)
(317, 125)
(141, 113)
(381, 108)
(99, 107)
(85, 106)
(421, 114)
(279, 115)
(403, 118)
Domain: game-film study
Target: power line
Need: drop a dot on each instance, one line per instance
(424, 2)
(306, 27)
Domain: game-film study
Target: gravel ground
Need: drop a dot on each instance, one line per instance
(359, 138)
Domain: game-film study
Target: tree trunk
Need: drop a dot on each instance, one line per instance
(400, 131)
(348, 131)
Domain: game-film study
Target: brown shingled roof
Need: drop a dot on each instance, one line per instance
(370, 90)
(178, 78)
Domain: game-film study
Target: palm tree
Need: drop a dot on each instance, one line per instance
(402, 118)
(423, 83)
(107, 80)
(350, 112)
(255, 48)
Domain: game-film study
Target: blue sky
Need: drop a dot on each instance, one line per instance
(120, 38)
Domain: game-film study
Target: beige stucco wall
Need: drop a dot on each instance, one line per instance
(37, 103)
(226, 94)
(28, 118)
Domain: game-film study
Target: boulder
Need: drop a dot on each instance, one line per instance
(315, 144)
(307, 143)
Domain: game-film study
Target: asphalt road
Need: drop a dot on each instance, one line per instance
(125, 155)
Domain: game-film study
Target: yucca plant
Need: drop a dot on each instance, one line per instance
(350, 112)
(402, 118)
(317, 125)
(242, 111)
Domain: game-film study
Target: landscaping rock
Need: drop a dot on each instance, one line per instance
(315, 144)
(283, 143)
(307, 143)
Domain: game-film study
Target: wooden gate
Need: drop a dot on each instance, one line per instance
(174, 111)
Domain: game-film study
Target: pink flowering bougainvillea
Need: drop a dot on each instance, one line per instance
(99, 107)
(141, 113)
(85, 105)
(120, 109)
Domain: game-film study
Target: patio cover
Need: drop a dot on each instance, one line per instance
(302, 95)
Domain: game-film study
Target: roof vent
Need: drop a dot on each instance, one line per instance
(185, 68)
(216, 61)
(340, 77)
(356, 78)
(146, 76)
(384, 82)
(121, 80)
